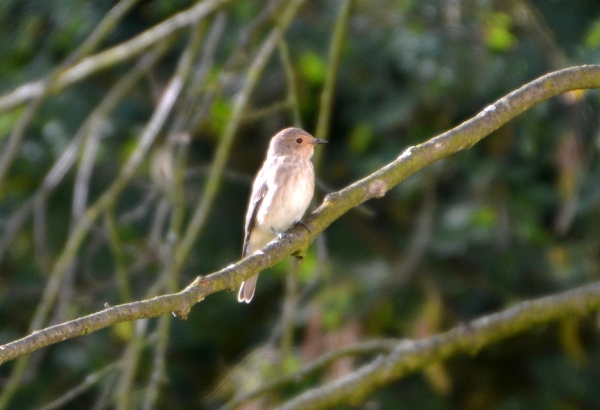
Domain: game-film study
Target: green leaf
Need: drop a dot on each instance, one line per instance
(361, 138)
(499, 37)
(592, 39)
(8, 121)
(313, 67)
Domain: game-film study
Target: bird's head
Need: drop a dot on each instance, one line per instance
(293, 141)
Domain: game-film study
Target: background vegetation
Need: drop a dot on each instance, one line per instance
(124, 175)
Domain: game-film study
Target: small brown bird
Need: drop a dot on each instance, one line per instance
(281, 193)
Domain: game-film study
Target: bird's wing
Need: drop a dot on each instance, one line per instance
(259, 191)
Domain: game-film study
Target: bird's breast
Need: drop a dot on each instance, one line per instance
(289, 194)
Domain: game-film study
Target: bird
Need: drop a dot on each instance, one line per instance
(281, 193)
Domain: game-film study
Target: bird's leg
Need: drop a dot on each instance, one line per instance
(282, 235)
(299, 254)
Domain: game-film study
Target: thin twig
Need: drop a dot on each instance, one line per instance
(177, 148)
(290, 76)
(79, 232)
(129, 365)
(333, 63)
(103, 29)
(70, 154)
(89, 381)
(239, 56)
(126, 382)
(114, 242)
(114, 55)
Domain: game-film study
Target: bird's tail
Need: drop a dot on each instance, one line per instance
(247, 289)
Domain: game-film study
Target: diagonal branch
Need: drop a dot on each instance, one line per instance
(469, 338)
(80, 229)
(114, 55)
(11, 148)
(65, 161)
(369, 347)
(335, 205)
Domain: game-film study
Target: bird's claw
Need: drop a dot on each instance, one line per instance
(282, 235)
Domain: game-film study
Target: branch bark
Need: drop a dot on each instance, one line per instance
(409, 356)
(362, 348)
(335, 205)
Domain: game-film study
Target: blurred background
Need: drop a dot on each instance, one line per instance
(128, 180)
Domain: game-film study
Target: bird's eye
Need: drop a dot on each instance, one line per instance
(299, 140)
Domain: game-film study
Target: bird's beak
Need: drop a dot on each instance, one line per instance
(317, 141)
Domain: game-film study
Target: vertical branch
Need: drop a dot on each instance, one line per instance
(333, 63)
(84, 173)
(291, 281)
(130, 360)
(198, 83)
(123, 286)
(335, 51)
(79, 203)
(290, 75)
(177, 147)
(290, 302)
(159, 363)
(39, 235)
(247, 34)
(291, 289)
(126, 383)
(167, 279)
